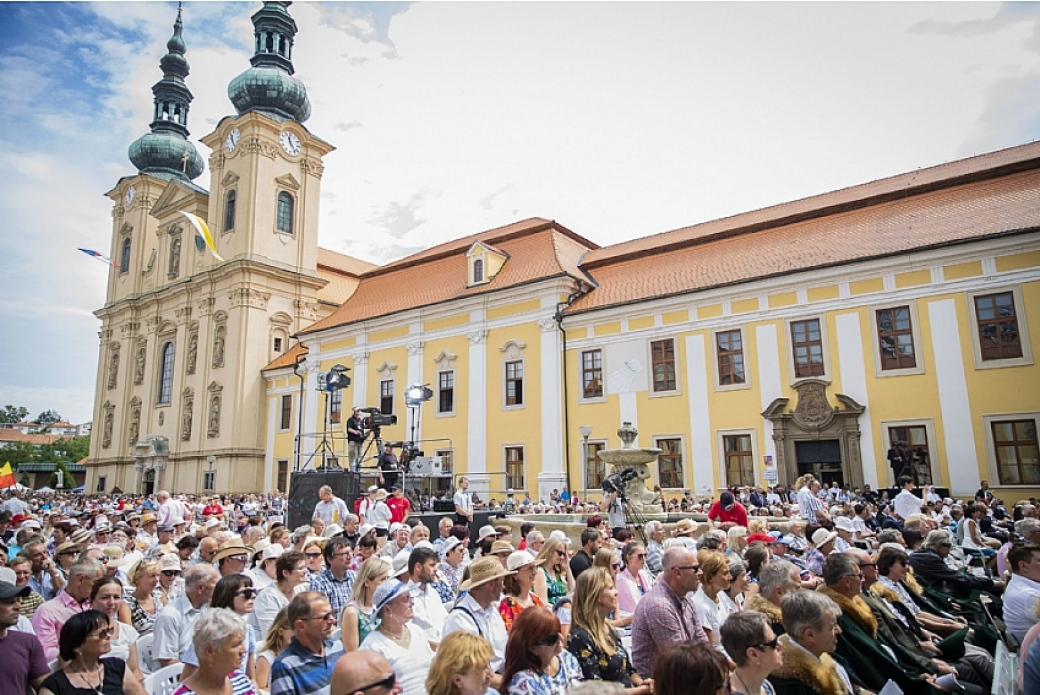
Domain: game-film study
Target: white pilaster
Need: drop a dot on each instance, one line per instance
(476, 421)
(415, 376)
(958, 434)
(768, 370)
(852, 367)
(359, 387)
(700, 426)
(552, 475)
(272, 414)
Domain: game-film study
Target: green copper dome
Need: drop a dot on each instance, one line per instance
(269, 86)
(166, 150)
(272, 91)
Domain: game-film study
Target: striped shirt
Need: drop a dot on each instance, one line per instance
(240, 685)
(299, 671)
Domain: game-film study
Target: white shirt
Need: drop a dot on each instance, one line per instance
(429, 611)
(464, 501)
(379, 516)
(712, 615)
(411, 664)
(1020, 596)
(469, 617)
(175, 628)
(332, 512)
(265, 609)
(907, 503)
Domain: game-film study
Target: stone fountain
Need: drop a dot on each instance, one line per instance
(643, 502)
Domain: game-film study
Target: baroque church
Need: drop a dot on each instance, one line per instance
(855, 334)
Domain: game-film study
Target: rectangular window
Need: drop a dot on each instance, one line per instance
(386, 397)
(807, 343)
(286, 422)
(662, 360)
(446, 392)
(515, 383)
(740, 469)
(670, 463)
(1017, 452)
(102, 481)
(447, 460)
(592, 374)
(208, 479)
(919, 460)
(282, 476)
(729, 349)
(335, 406)
(515, 467)
(998, 326)
(278, 345)
(596, 470)
(896, 338)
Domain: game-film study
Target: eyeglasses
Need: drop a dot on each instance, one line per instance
(171, 573)
(858, 575)
(311, 556)
(640, 556)
(695, 568)
(615, 565)
(246, 593)
(326, 617)
(105, 634)
(771, 644)
(548, 641)
(387, 683)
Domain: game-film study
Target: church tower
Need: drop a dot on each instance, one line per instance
(185, 334)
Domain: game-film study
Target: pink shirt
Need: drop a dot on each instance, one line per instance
(48, 619)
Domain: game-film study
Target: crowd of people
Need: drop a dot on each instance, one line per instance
(839, 593)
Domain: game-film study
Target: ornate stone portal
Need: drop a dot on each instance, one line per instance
(150, 458)
(815, 419)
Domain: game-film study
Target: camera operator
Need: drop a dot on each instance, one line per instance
(388, 467)
(356, 437)
(614, 505)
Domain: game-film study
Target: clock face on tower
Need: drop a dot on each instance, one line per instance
(231, 140)
(129, 197)
(290, 143)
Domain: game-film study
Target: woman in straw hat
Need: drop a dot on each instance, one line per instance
(519, 587)
(594, 641)
(359, 617)
(402, 643)
(536, 663)
(555, 580)
(462, 666)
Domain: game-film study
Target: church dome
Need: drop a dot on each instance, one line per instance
(163, 152)
(270, 90)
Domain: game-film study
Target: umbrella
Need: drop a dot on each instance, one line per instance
(45, 489)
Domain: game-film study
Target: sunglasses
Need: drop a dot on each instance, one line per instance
(641, 556)
(548, 641)
(695, 568)
(387, 683)
(171, 573)
(313, 556)
(772, 644)
(246, 593)
(105, 634)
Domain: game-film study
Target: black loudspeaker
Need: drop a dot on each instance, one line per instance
(303, 492)
(443, 506)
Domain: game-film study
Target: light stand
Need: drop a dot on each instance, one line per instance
(414, 396)
(586, 432)
(335, 380)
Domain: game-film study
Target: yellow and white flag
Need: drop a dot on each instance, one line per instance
(203, 229)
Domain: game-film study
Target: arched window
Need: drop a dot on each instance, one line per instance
(124, 257)
(166, 374)
(229, 211)
(285, 213)
(478, 270)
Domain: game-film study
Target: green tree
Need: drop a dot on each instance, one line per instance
(47, 417)
(10, 413)
(66, 449)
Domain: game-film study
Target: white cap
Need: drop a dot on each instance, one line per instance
(560, 535)
(275, 550)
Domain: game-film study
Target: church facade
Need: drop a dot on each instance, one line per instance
(881, 328)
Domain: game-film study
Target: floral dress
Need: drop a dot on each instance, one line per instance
(595, 663)
(530, 682)
(510, 609)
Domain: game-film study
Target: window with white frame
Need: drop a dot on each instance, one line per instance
(515, 467)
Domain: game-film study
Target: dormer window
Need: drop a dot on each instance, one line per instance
(484, 262)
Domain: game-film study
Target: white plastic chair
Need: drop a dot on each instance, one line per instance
(144, 653)
(164, 681)
(53, 665)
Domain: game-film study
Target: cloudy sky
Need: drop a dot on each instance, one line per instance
(616, 119)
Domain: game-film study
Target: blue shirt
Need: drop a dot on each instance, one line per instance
(299, 671)
(337, 592)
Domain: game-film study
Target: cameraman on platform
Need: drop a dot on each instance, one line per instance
(614, 505)
(356, 437)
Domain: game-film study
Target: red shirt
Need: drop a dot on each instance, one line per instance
(212, 510)
(737, 515)
(398, 506)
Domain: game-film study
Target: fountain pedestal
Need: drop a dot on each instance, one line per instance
(642, 501)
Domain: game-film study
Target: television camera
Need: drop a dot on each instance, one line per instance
(615, 482)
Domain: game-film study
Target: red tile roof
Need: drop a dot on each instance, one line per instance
(287, 358)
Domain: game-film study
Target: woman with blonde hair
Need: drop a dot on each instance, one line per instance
(593, 641)
(279, 635)
(358, 617)
(555, 580)
(462, 666)
(635, 581)
(712, 609)
(142, 605)
(282, 536)
(737, 541)
(608, 560)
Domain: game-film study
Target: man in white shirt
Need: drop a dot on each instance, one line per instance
(429, 613)
(906, 502)
(175, 626)
(477, 611)
(1023, 591)
(463, 503)
(331, 509)
(167, 508)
